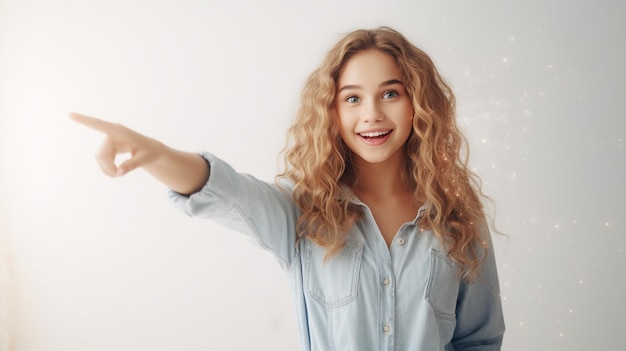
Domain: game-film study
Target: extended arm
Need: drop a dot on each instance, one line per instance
(239, 201)
(183, 172)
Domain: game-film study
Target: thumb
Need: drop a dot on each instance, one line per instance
(128, 165)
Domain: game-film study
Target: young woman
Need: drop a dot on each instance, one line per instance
(377, 219)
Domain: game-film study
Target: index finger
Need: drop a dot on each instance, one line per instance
(92, 122)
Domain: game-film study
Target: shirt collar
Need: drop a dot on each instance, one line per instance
(349, 194)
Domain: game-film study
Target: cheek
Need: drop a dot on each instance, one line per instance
(407, 113)
(344, 122)
(408, 109)
(404, 113)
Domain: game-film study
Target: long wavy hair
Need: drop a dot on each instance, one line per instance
(319, 164)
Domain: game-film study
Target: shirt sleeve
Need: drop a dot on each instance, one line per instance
(263, 211)
(480, 321)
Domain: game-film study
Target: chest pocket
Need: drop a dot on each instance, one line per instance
(443, 285)
(333, 283)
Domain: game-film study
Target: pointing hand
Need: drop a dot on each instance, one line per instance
(121, 140)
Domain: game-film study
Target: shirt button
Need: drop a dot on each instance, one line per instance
(386, 281)
(401, 241)
(386, 328)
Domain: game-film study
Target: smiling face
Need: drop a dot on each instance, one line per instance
(373, 108)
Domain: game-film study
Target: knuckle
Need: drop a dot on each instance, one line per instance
(118, 127)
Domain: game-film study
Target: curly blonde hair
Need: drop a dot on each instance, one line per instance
(320, 166)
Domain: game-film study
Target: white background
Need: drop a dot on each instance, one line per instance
(92, 263)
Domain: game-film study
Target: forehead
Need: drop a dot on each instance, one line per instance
(369, 67)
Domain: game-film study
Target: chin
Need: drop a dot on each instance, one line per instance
(374, 159)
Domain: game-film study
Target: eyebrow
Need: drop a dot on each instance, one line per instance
(383, 84)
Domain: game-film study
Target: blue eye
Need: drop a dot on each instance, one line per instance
(352, 99)
(390, 94)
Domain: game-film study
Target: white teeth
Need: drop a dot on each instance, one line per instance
(374, 134)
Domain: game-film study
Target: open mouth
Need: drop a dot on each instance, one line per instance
(375, 135)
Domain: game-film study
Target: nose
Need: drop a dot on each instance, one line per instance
(372, 112)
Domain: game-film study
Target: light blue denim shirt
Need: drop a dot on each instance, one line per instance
(369, 296)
